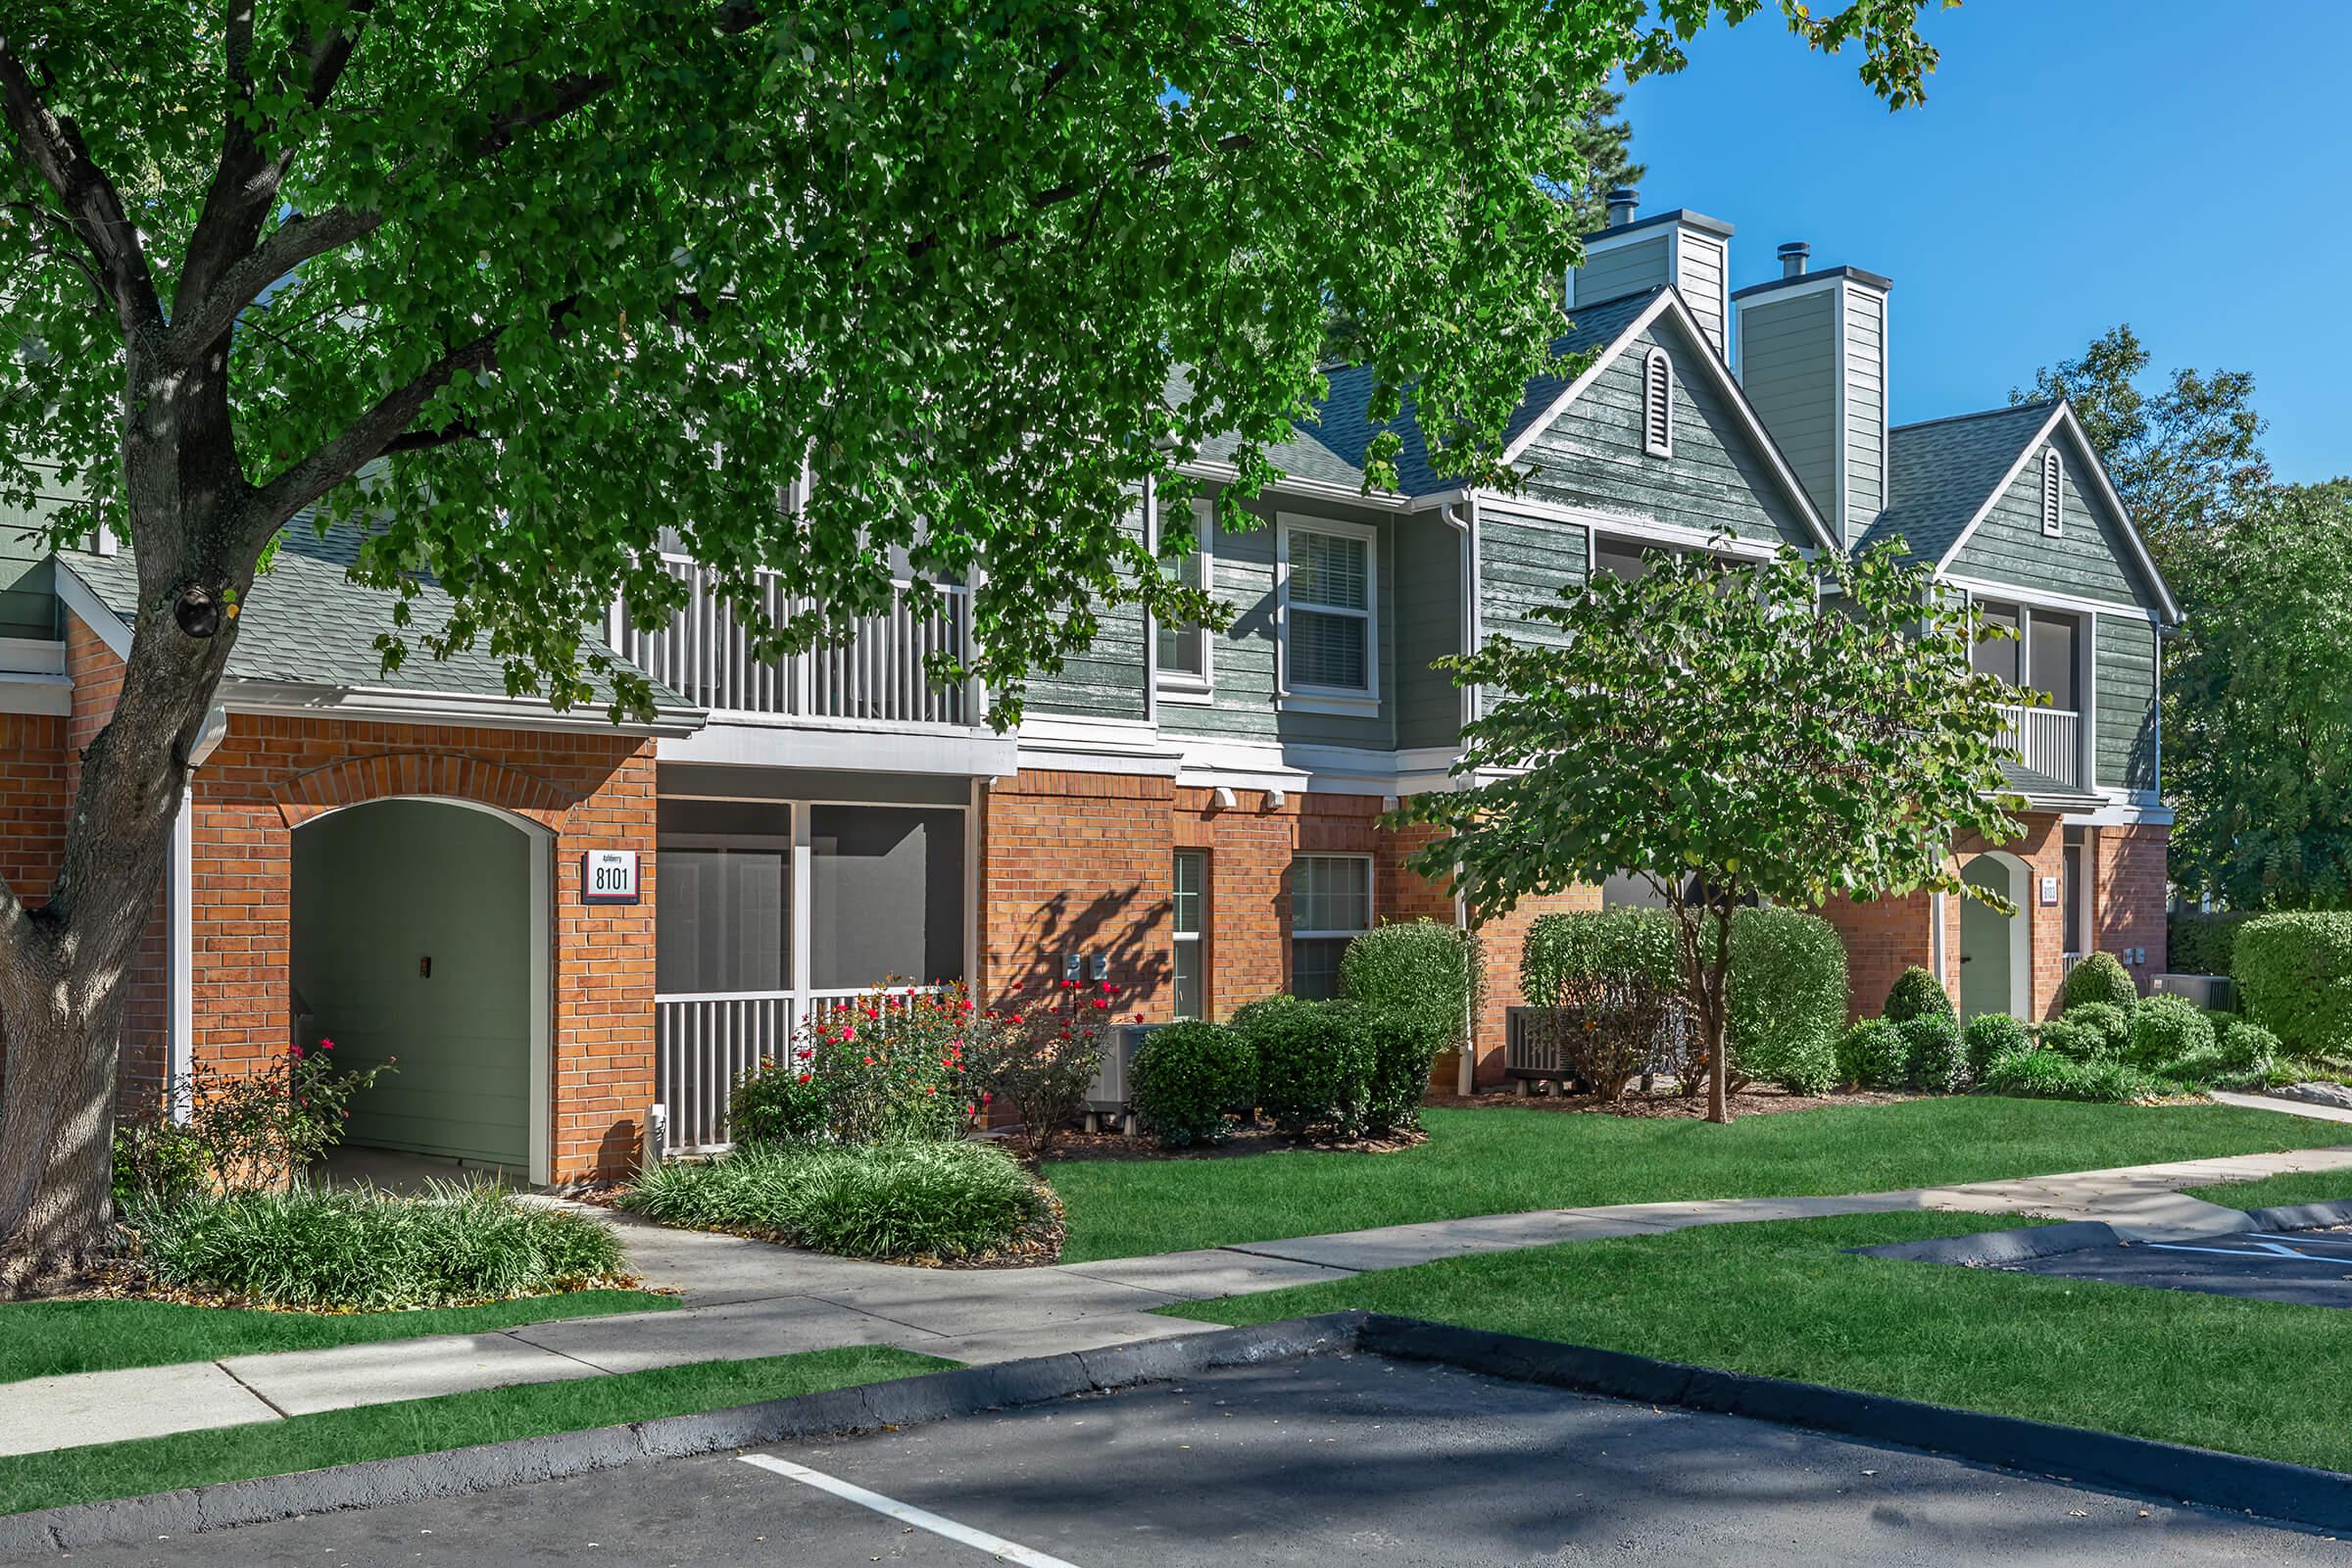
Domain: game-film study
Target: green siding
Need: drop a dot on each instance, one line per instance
(1105, 680)
(2090, 559)
(1243, 665)
(2126, 698)
(379, 887)
(1623, 271)
(1524, 563)
(28, 602)
(1789, 370)
(1592, 455)
(1429, 627)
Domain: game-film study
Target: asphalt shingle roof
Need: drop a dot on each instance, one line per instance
(1332, 445)
(1942, 472)
(307, 622)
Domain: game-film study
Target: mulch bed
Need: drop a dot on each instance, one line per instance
(1665, 1103)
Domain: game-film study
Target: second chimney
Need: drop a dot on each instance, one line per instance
(1688, 249)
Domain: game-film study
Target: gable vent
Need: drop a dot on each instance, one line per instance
(1657, 404)
(2053, 469)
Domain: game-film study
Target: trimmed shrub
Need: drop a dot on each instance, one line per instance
(1188, 1077)
(2204, 944)
(1934, 1057)
(2046, 1075)
(949, 1201)
(1917, 993)
(1607, 1028)
(1787, 1003)
(2112, 1024)
(2076, 1041)
(1314, 1064)
(2166, 1030)
(2099, 977)
(363, 1249)
(1433, 972)
(2294, 978)
(1993, 1033)
(1874, 1054)
(2248, 1048)
(1404, 1042)
(1562, 947)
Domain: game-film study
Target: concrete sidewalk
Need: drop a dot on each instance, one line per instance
(747, 1298)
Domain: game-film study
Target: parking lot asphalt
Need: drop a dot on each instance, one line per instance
(1329, 1460)
(2310, 1267)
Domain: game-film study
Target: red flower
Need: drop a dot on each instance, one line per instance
(1106, 988)
(1139, 1017)
(1069, 985)
(804, 1077)
(1102, 1005)
(870, 1061)
(295, 1051)
(985, 1097)
(326, 1045)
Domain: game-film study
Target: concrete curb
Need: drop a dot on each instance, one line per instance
(2002, 1246)
(2300, 1216)
(904, 1401)
(2167, 1472)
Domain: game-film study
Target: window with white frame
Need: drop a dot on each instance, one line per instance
(1658, 404)
(2053, 496)
(1183, 647)
(1330, 904)
(1188, 960)
(1330, 592)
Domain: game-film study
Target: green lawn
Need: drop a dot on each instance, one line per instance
(426, 1426)
(2274, 1191)
(47, 1339)
(1504, 1162)
(1783, 1300)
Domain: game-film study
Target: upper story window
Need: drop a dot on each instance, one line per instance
(1658, 404)
(1185, 648)
(1330, 594)
(2053, 496)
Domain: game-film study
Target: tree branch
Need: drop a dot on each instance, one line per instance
(53, 145)
(297, 240)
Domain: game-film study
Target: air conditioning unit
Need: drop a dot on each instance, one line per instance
(1109, 1092)
(2216, 990)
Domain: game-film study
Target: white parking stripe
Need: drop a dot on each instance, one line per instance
(906, 1513)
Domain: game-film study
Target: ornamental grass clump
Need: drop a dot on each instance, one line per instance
(364, 1249)
(935, 1201)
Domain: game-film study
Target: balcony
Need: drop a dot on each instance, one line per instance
(2049, 740)
(876, 678)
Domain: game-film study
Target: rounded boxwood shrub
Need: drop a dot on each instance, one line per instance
(2294, 978)
(364, 1249)
(2112, 1024)
(1993, 1033)
(1404, 1042)
(2166, 1030)
(942, 1200)
(1787, 999)
(1188, 1078)
(1874, 1054)
(2099, 977)
(1934, 1057)
(2075, 1041)
(1314, 1064)
(1917, 993)
(2248, 1048)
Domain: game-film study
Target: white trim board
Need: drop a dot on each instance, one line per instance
(93, 611)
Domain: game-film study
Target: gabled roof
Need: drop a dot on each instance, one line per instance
(1947, 476)
(1943, 473)
(308, 624)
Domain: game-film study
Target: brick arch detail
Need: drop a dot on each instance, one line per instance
(394, 774)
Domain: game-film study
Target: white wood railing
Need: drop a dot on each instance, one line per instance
(2048, 739)
(704, 1042)
(878, 675)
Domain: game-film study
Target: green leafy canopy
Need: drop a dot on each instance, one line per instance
(560, 275)
(1705, 726)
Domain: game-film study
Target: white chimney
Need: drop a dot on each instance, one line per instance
(1688, 249)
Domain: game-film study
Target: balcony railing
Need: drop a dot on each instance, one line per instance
(704, 1042)
(879, 675)
(2048, 739)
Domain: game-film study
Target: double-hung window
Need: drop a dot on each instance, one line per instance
(1330, 904)
(1185, 646)
(1329, 593)
(1187, 960)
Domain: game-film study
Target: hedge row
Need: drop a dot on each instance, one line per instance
(2294, 978)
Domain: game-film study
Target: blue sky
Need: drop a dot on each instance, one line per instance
(2174, 164)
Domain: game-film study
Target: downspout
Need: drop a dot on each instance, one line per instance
(179, 1046)
(1467, 524)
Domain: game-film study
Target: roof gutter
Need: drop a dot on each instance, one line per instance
(397, 706)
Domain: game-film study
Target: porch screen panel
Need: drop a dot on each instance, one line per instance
(721, 911)
(885, 896)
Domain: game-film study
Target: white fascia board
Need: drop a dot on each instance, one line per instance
(1316, 769)
(396, 706)
(81, 599)
(28, 692)
(31, 656)
(1629, 524)
(2045, 599)
(1078, 743)
(1311, 489)
(2024, 455)
(959, 753)
(2121, 808)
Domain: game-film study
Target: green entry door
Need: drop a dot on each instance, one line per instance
(412, 933)
(1986, 982)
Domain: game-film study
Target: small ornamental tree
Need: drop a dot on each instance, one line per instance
(1707, 729)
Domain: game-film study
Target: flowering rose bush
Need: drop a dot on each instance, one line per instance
(1039, 1062)
(247, 1132)
(885, 1068)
